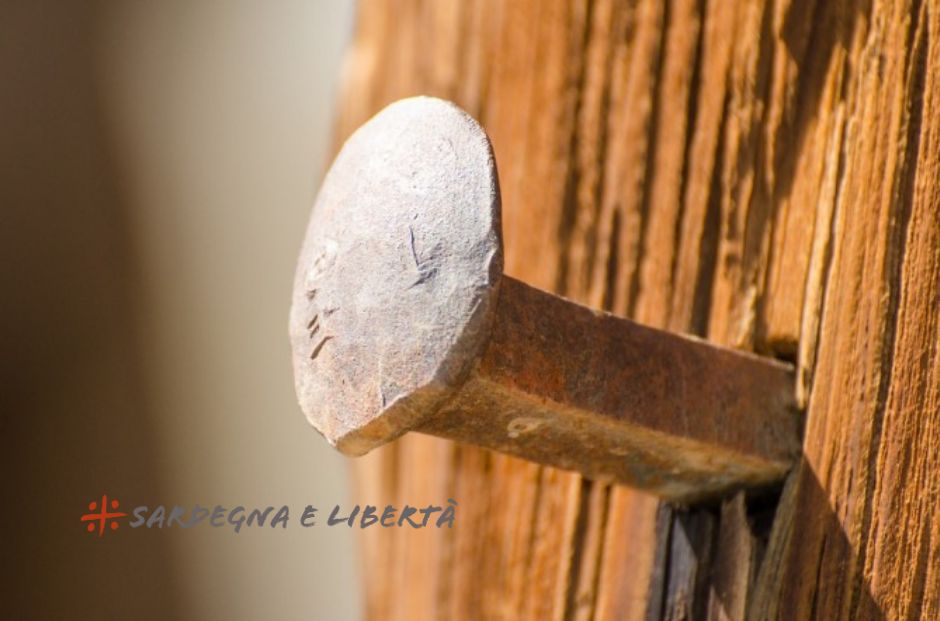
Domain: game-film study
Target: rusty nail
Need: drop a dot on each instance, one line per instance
(403, 320)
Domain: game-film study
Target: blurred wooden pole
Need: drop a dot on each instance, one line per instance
(77, 424)
(764, 174)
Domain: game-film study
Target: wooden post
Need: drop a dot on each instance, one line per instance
(762, 174)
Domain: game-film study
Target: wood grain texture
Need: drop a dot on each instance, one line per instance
(765, 173)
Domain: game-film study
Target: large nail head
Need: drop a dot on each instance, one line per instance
(396, 283)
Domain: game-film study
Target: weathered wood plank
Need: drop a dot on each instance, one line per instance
(764, 173)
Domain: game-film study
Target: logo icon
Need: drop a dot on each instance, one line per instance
(103, 516)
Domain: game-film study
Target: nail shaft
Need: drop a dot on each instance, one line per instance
(563, 385)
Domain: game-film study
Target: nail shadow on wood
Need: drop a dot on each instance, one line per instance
(735, 560)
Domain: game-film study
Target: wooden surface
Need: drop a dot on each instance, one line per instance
(764, 174)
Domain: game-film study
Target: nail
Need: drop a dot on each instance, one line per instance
(403, 320)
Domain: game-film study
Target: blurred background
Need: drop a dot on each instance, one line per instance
(157, 163)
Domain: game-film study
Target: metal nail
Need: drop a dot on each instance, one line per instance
(402, 319)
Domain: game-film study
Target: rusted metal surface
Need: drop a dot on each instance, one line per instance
(402, 320)
(582, 390)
